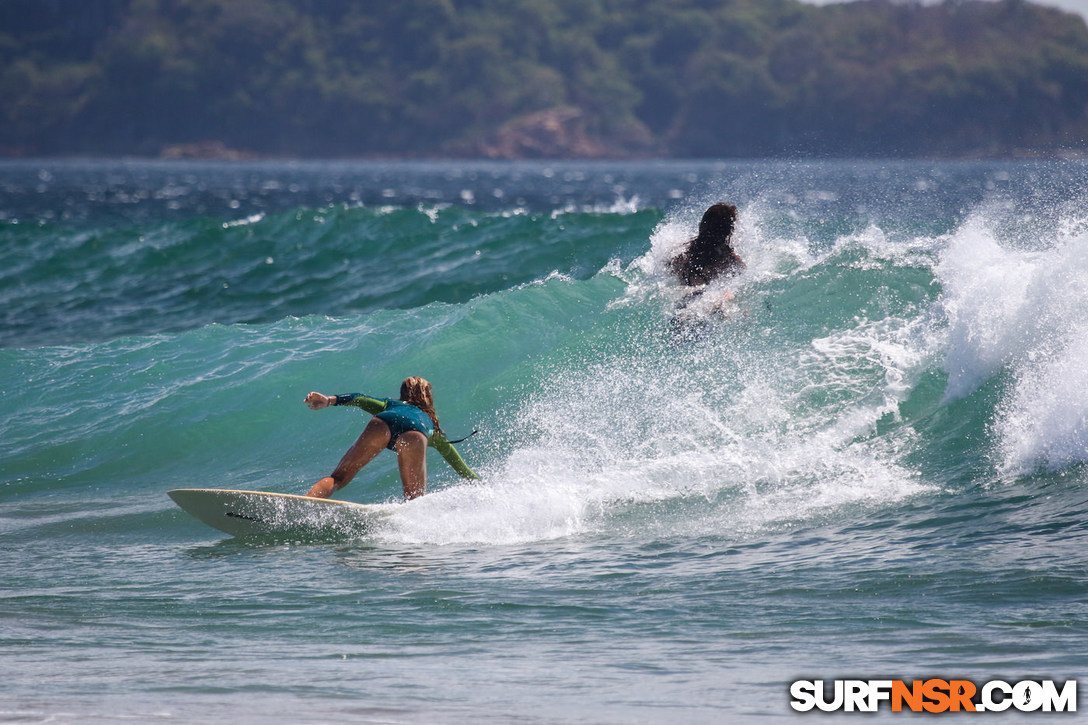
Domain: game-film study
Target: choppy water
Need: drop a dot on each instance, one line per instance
(874, 465)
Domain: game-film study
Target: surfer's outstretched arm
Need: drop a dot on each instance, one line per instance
(452, 457)
(317, 401)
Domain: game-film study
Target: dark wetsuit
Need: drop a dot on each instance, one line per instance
(402, 417)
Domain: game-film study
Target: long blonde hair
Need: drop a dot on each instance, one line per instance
(417, 391)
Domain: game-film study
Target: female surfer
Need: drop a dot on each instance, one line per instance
(406, 426)
(710, 254)
(707, 257)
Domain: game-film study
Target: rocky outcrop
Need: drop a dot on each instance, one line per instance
(549, 134)
(204, 150)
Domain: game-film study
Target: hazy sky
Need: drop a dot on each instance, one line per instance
(1076, 6)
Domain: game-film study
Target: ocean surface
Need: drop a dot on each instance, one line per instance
(872, 464)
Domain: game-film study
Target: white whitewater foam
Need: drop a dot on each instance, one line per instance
(1023, 312)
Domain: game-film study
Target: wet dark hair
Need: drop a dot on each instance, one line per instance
(710, 254)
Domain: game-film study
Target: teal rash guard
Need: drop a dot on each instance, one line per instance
(402, 417)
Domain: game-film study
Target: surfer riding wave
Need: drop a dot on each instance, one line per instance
(406, 426)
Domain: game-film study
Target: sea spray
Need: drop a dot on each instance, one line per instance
(1016, 310)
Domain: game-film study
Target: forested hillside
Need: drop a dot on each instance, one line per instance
(540, 78)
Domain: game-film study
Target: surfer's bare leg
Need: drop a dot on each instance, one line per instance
(411, 448)
(374, 439)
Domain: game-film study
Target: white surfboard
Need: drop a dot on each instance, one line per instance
(260, 513)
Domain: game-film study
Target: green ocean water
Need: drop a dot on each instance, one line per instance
(872, 465)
